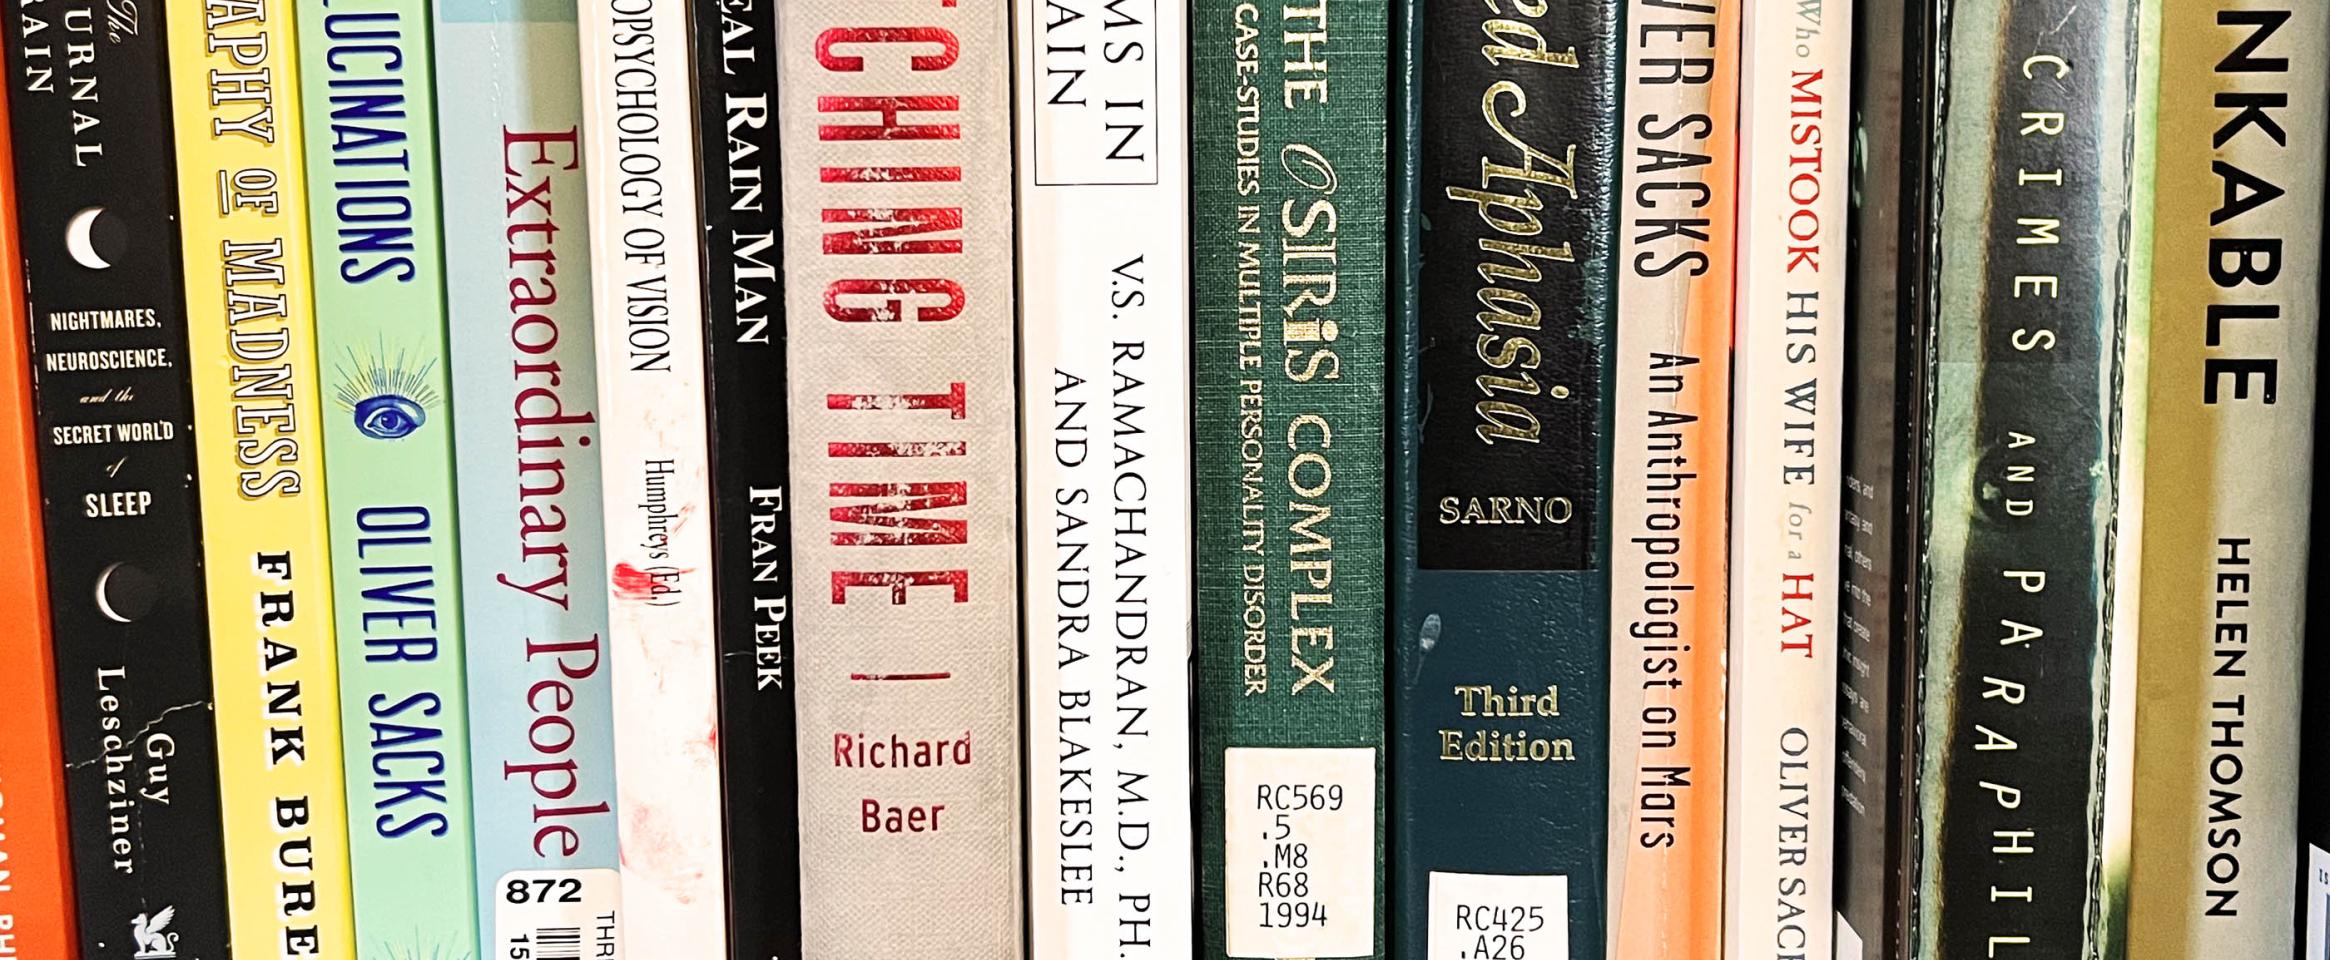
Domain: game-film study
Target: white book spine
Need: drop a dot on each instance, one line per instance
(1788, 470)
(1103, 147)
(639, 156)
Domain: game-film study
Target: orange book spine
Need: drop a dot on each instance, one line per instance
(1670, 555)
(36, 890)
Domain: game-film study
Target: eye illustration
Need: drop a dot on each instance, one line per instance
(389, 396)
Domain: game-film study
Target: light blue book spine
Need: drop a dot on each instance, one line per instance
(518, 276)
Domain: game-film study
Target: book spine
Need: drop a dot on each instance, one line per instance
(252, 359)
(752, 527)
(1786, 506)
(1501, 511)
(1288, 202)
(2312, 920)
(36, 902)
(1671, 487)
(517, 278)
(1103, 144)
(2035, 257)
(898, 283)
(2235, 294)
(1886, 372)
(121, 549)
(380, 331)
(639, 141)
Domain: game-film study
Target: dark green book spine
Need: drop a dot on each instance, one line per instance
(1501, 404)
(2036, 254)
(1288, 216)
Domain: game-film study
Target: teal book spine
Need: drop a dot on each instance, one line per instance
(1502, 384)
(1288, 216)
(517, 277)
(388, 476)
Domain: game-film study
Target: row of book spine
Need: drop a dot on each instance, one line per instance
(435, 405)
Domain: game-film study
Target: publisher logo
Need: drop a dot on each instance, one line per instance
(153, 936)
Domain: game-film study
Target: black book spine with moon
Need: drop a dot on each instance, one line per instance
(116, 457)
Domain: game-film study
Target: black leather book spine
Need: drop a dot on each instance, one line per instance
(752, 550)
(91, 122)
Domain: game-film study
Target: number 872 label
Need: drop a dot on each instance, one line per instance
(557, 915)
(1299, 851)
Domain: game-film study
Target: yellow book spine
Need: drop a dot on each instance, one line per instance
(242, 202)
(2235, 291)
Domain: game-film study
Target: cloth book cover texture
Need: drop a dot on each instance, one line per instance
(1288, 204)
(898, 294)
(1500, 526)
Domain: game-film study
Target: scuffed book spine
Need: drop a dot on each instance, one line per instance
(2036, 256)
(1886, 370)
(1103, 146)
(1671, 488)
(1288, 216)
(898, 292)
(1501, 517)
(752, 524)
(639, 149)
(2235, 300)
(1788, 479)
(36, 902)
(388, 471)
(517, 278)
(122, 550)
(243, 203)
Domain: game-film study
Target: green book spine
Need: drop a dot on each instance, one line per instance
(2037, 328)
(380, 307)
(1288, 214)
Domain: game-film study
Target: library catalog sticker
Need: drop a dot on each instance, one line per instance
(2317, 903)
(1485, 916)
(557, 915)
(1848, 940)
(1299, 851)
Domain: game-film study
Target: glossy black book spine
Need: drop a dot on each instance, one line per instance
(744, 344)
(91, 122)
(1886, 375)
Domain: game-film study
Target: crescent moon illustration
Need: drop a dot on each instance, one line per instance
(79, 244)
(125, 594)
(105, 603)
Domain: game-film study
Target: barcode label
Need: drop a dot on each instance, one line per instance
(558, 943)
(558, 915)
